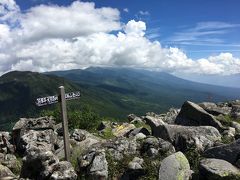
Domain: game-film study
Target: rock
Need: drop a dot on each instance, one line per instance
(229, 152)
(217, 169)
(10, 161)
(170, 116)
(58, 129)
(41, 139)
(192, 114)
(83, 139)
(137, 131)
(174, 167)
(120, 147)
(236, 126)
(153, 147)
(24, 125)
(136, 164)
(135, 169)
(6, 173)
(103, 125)
(59, 147)
(229, 133)
(123, 129)
(6, 135)
(132, 118)
(94, 164)
(5, 143)
(140, 136)
(215, 110)
(38, 164)
(62, 171)
(184, 137)
(99, 166)
(78, 135)
(41, 123)
(42, 164)
(235, 113)
(153, 122)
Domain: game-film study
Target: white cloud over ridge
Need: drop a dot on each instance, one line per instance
(51, 37)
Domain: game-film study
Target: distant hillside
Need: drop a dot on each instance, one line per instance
(111, 92)
(220, 80)
(138, 80)
(139, 90)
(19, 90)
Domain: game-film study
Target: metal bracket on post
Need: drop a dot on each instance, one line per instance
(64, 123)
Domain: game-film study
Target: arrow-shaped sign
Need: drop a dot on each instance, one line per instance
(55, 98)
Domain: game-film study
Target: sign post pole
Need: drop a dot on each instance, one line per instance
(64, 123)
(43, 101)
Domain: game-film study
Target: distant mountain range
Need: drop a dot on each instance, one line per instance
(111, 92)
(220, 80)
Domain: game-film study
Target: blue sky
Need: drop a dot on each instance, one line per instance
(200, 28)
(187, 37)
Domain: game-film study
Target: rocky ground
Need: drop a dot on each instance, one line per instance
(198, 141)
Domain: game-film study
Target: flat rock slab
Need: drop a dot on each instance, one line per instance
(229, 152)
(214, 109)
(183, 137)
(123, 130)
(218, 169)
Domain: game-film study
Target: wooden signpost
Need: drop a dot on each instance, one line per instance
(61, 98)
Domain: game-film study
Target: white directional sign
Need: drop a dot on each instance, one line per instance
(54, 99)
(61, 98)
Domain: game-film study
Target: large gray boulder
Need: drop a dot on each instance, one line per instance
(152, 147)
(136, 131)
(99, 166)
(10, 161)
(24, 125)
(154, 122)
(192, 114)
(38, 164)
(184, 137)
(44, 139)
(134, 170)
(6, 173)
(34, 124)
(175, 167)
(41, 164)
(62, 171)
(214, 109)
(218, 169)
(235, 113)
(132, 118)
(94, 164)
(171, 115)
(5, 143)
(229, 152)
(120, 147)
(83, 139)
(236, 125)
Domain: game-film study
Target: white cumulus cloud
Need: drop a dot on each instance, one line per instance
(51, 37)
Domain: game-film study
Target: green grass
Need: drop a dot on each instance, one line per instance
(194, 158)
(142, 124)
(107, 133)
(227, 119)
(75, 154)
(117, 168)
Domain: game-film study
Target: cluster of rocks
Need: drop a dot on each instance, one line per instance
(39, 149)
(194, 142)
